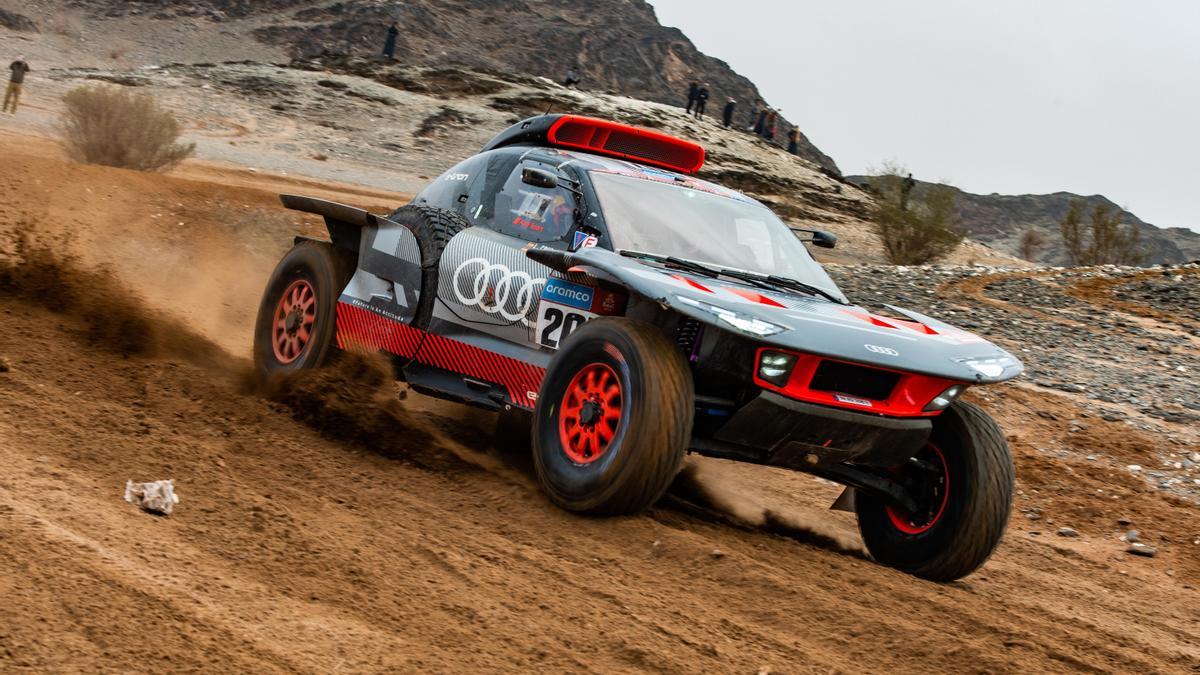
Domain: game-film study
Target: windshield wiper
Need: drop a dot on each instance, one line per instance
(682, 263)
(768, 281)
(785, 282)
(807, 287)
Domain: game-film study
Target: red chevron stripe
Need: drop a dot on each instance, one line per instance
(362, 330)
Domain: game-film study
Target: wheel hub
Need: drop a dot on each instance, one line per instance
(292, 324)
(590, 414)
(927, 477)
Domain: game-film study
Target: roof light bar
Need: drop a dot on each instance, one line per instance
(626, 142)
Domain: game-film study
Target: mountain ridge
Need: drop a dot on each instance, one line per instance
(616, 46)
(998, 221)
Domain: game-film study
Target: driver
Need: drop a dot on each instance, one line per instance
(562, 214)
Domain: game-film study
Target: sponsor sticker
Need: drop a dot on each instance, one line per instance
(657, 173)
(852, 400)
(527, 224)
(569, 294)
(584, 240)
(566, 306)
(496, 289)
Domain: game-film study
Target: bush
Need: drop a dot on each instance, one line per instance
(916, 225)
(1105, 241)
(1031, 240)
(114, 127)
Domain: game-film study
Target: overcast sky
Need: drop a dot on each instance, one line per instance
(1008, 96)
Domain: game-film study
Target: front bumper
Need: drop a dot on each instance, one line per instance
(772, 429)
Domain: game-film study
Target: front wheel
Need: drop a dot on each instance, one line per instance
(613, 419)
(296, 321)
(962, 481)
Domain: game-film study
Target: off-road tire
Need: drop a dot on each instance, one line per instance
(433, 228)
(327, 270)
(656, 412)
(979, 498)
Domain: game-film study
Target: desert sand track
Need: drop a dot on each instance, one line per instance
(327, 527)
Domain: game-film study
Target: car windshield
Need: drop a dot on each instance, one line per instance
(674, 220)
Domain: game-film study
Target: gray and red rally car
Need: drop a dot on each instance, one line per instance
(577, 274)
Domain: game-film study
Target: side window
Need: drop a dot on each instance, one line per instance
(534, 213)
(451, 190)
(492, 174)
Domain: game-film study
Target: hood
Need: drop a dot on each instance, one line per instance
(801, 322)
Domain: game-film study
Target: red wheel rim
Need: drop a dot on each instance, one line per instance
(590, 414)
(938, 493)
(291, 329)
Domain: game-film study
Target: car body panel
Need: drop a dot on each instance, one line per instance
(513, 285)
(808, 323)
(485, 280)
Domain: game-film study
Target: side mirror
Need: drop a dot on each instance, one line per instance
(819, 238)
(538, 178)
(824, 239)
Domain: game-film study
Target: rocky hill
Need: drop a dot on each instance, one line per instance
(998, 220)
(617, 46)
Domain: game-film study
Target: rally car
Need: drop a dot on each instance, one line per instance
(576, 271)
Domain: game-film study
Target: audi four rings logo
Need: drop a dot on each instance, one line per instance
(495, 289)
(886, 351)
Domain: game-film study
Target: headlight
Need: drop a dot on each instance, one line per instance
(776, 367)
(989, 366)
(944, 399)
(742, 322)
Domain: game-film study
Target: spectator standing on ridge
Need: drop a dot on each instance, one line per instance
(571, 79)
(754, 114)
(13, 93)
(728, 113)
(906, 189)
(701, 100)
(389, 47)
(768, 131)
(761, 122)
(794, 141)
(693, 89)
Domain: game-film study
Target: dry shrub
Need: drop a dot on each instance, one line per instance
(114, 127)
(1104, 240)
(917, 224)
(1030, 242)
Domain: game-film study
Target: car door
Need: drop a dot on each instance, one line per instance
(488, 289)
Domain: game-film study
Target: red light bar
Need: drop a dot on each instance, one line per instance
(625, 142)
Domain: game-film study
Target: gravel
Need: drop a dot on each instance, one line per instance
(1120, 340)
(1067, 344)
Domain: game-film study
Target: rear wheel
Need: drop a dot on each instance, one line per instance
(297, 315)
(962, 482)
(614, 418)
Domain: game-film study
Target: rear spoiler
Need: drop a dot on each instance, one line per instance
(344, 222)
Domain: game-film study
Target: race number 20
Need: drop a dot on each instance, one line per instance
(556, 323)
